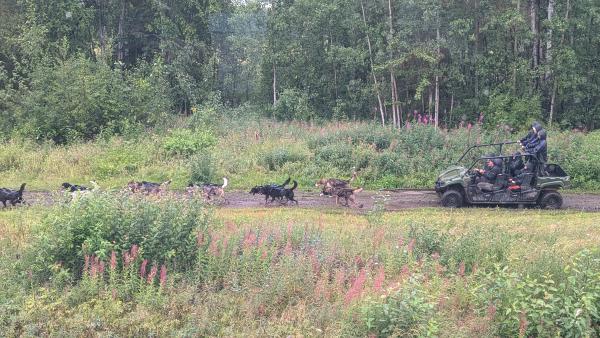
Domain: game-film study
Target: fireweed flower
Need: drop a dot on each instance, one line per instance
(113, 261)
(152, 274)
(163, 275)
(143, 268)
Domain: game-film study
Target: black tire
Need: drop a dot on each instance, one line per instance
(551, 200)
(452, 199)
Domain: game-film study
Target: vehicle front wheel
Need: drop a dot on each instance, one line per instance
(452, 199)
(551, 200)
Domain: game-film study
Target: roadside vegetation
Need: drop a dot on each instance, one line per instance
(217, 142)
(120, 265)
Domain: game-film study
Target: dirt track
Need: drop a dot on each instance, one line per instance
(392, 200)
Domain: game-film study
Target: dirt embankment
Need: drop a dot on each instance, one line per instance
(391, 200)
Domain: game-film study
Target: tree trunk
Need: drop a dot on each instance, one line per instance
(515, 52)
(393, 99)
(549, 40)
(120, 52)
(437, 81)
(274, 85)
(534, 32)
(381, 111)
(555, 79)
(392, 77)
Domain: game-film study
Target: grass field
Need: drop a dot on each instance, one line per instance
(281, 272)
(257, 152)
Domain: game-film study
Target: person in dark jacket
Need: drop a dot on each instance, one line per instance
(540, 152)
(516, 164)
(488, 176)
(531, 135)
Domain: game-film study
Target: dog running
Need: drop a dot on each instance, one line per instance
(348, 194)
(276, 191)
(12, 196)
(327, 183)
(208, 189)
(147, 187)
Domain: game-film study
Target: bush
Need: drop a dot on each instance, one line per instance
(186, 142)
(100, 223)
(78, 99)
(406, 312)
(277, 157)
(202, 168)
(293, 105)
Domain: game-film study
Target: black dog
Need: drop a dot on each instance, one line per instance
(266, 189)
(12, 196)
(73, 187)
(276, 192)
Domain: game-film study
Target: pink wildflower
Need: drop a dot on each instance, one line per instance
(378, 283)
(152, 274)
(411, 246)
(113, 261)
(356, 289)
(163, 275)
(143, 268)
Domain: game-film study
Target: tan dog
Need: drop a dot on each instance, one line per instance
(209, 189)
(148, 187)
(335, 182)
(348, 194)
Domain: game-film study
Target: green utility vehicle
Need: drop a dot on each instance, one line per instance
(457, 185)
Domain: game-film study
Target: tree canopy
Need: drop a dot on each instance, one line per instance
(76, 68)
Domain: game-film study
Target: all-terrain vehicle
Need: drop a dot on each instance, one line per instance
(457, 185)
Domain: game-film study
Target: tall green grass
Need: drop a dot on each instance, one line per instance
(259, 151)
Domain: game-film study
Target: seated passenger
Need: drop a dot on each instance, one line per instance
(526, 171)
(516, 164)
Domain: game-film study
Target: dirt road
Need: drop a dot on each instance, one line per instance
(392, 200)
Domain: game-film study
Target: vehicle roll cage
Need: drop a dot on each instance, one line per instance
(500, 145)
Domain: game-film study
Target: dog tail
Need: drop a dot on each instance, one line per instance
(295, 185)
(21, 189)
(224, 183)
(357, 190)
(286, 182)
(166, 183)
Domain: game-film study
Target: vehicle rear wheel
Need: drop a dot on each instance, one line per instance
(551, 200)
(452, 199)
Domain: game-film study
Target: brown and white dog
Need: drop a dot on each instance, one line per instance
(327, 183)
(147, 187)
(347, 193)
(208, 189)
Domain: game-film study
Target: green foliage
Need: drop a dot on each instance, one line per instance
(187, 142)
(506, 109)
(202, 167)
(543, 305)
(406, 312)
(293, 105)
(275, 158)
(100, 223)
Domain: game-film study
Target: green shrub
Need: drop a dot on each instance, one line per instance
(202, 167)
(541, 306)
(406, 312)
(186, 142)
(275, 158)
(100, 223)
(293, 104)
(337, 155)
